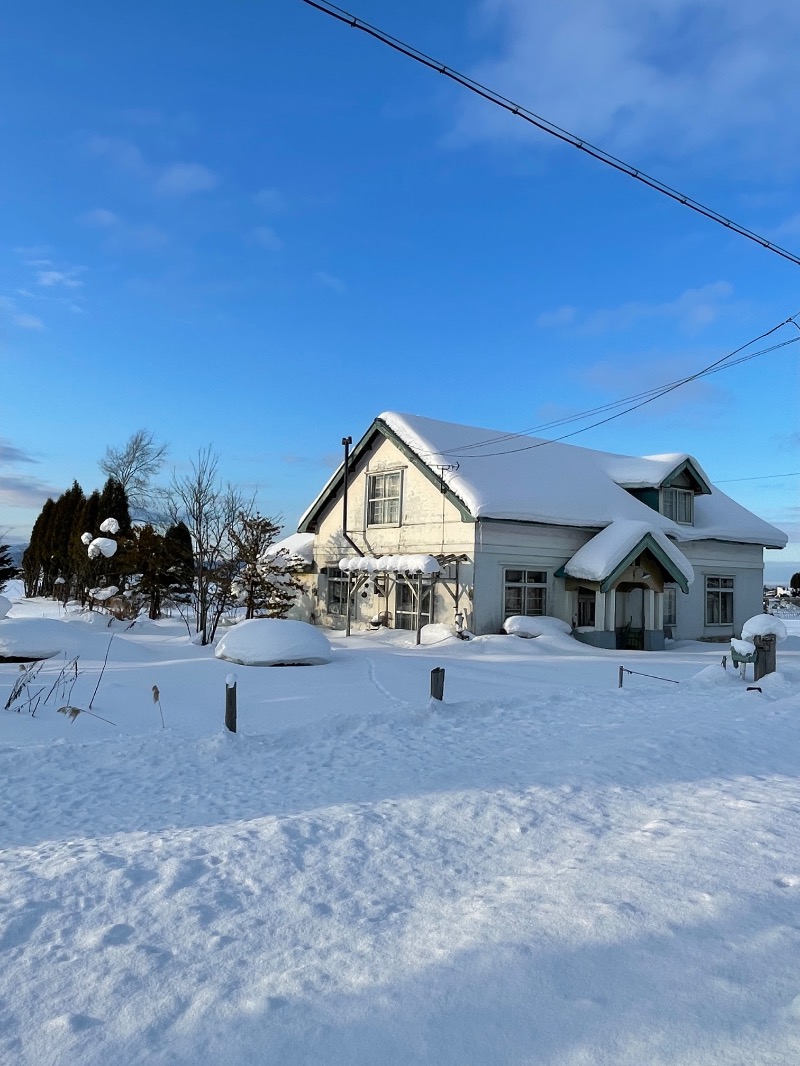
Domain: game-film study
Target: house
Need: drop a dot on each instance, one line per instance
(428, 521)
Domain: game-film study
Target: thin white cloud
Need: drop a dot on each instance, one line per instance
(270, 200)
(99, 218)
(122, 154)
(26, 321)
(563, 316)
(68, 279)
(693, 310)
(266, 237)
(173, 179)
(667, 77)
(330, 281)
(10, 312)
(180, 179)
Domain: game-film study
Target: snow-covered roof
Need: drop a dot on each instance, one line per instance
(533, 480)
(298, 546)
(600, 557)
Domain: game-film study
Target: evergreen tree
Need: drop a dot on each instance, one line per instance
(264, 582)
(7, 567)
(33, 557)
(56, 554)
(87, 521)
(794, 584)
(180, 562)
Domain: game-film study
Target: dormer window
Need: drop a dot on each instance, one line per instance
(678, 504)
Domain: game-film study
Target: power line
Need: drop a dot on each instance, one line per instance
(759, 477)
(723, 363)
(545, 125)
(654, 392)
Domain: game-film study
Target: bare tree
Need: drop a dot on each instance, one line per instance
(210, 510)
(134, 466)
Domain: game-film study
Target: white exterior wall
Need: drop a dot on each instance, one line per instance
(715, 558)
(421, 530)
(526, 546)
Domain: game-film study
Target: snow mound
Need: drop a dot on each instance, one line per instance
(435, 633)
(713, 677)
(5, 606)
(274, 642)
(762, 625)
(34, 638)
(521, 626)
(111, 525)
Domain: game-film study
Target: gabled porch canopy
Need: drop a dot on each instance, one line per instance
(606, 557)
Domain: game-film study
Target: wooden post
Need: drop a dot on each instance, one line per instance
(437, 683)
(349, 603)
(230, 703)
(419, 608)
(766, 660)
(621, 672)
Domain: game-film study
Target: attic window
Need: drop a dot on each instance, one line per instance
(383, 498)
(678, 504)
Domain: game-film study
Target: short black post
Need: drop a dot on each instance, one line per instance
(230, 703)
(621, 672)
(437, 683)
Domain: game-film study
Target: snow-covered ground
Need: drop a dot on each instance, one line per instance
(543, 869)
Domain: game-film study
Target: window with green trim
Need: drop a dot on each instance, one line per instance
(678, 504)
(719, 601)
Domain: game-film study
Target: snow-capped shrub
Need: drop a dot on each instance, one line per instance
(274, 642)
(522, 626)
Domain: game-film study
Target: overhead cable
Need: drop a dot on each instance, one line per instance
(464, 451)
(546, 126)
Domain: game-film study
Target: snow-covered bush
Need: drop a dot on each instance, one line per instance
(274, 642)
(523, 626)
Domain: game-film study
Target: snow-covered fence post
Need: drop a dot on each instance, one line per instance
(437, 683)
(230, 703)
(621, 672)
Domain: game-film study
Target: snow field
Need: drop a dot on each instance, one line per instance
(542, 869)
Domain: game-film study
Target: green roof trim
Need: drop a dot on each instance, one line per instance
(687, 466)
(647, 543)
(336, 482)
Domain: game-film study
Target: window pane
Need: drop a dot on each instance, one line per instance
(513, 601)
(536, 577)
(514, 575)
(712, 608)
(712, 582)
(535, 601)
(726, 582)
(726, 607)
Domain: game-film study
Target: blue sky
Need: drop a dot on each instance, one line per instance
(243, 224)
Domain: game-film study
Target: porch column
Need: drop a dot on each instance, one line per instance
(649, 609)
(659, 610)
(600, 611)
(611, 610)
